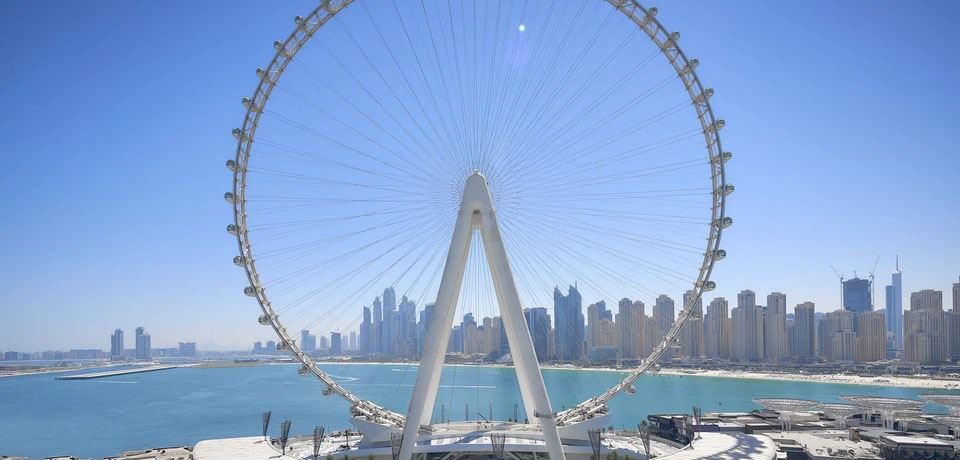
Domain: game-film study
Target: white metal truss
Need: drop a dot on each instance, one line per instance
(477, 213)
(700, 97)
(286, 50)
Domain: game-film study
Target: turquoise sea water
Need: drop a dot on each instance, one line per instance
(41, 416)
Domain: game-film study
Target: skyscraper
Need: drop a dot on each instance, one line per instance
(894, 308)
(335, 347)
(601, 331)
(925, 329)
(775, 345)
(663, 316)
(953, 320)
(389, 300)
(116, 345)
(806, 327)
(717, 329)
(490, 335)
(366, 332)
(956, 297)
(872, 338)
(308, 342)
(471, 337)
(424, 326)
(569, 327)
(692, 340)
(628, 328)
(142, 344)
(856, 295)
(376, 328)
(926, 299)
(392, 324)
(747, 324)
(593, 323)
(353, 340)
(746, 298)
(408, 327)
(538, 322)
(392, 338)
(837, 322)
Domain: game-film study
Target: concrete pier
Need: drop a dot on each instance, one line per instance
(97, 375)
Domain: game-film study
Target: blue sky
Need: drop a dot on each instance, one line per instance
(118, 116)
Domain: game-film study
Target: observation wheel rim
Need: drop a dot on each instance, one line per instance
(304, 30)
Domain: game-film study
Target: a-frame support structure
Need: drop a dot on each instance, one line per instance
(476, 212)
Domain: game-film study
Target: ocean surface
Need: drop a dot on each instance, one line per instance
(41, 416)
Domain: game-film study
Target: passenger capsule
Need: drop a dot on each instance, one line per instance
(303, 370)
(719, 254)
(675, 36)
(260, 72)
(281, 345)
(727, 221)
(726, 156)
(246, 102)
(327, 391)
(232, 165)
(236, 132)
(238, 261)
(263, 320)
(229, 196)
(708, 93)
(719, 124)
(232, 229)
(652, 11)
(694, 63)
(277, 45)
(728, 189)
(631, 390)
(709, 286)
(297, 20)
(250, 291)
(656, 368)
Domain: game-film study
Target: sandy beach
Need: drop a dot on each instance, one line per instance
(920, 381)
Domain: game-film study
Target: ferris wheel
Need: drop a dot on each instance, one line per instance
(574, 138)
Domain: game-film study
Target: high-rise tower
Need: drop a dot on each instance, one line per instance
(568, 327)
(116, 345)
(775, 345)
(142, 344)
(806, 326)
(856, 295)
(717, 329)
(894, 308)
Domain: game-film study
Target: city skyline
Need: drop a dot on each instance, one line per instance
(750, 332)
(165, 226)
(407, 312)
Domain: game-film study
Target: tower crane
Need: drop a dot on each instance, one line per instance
(841, 284)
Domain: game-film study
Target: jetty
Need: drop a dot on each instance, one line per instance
(97, 375)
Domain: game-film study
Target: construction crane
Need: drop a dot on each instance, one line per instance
(872, 301)
(841, 284)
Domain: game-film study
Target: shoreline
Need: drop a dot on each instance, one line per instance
(921, 381)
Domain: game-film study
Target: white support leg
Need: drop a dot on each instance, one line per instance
(476, 200)
(532, 388)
